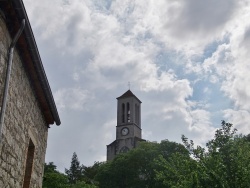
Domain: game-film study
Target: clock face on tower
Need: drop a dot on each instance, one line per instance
(125, 131)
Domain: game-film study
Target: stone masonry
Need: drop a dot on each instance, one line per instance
(24, 134)
(128, 118)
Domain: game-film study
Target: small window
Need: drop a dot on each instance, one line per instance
(29, 164)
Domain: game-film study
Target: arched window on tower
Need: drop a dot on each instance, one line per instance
(123, 113)
(136, 114)
(128, 113)
(124, 149)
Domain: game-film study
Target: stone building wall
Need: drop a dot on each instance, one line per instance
(24, 133)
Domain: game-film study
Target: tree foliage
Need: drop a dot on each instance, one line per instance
(224, 162)
(137, 168)
(53, 178)
(75, 172)
(90, 172)
(78, 176)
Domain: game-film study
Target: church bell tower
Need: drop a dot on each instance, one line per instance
(128, 129)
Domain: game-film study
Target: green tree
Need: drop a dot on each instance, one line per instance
(53, 178)
(228, 158)
(136, 168)
(90, 172)
(81, 184)
(223, 163)
(177, 171)
(75, 172)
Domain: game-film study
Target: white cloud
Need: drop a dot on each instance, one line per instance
(92, 49)
(76, 76)
(73, 98)
(239, 118)
(108, 126)
(201, 125)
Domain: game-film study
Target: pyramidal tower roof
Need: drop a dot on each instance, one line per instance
(128, 94)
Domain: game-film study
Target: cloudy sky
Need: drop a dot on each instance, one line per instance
(187, 61)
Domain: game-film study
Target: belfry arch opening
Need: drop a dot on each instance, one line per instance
(128, 113)
(123, 113)
(137, 113)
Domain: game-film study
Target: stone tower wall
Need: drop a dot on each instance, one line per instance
(128, 116)
(24, 125)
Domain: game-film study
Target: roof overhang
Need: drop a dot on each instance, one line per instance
(14, 11)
